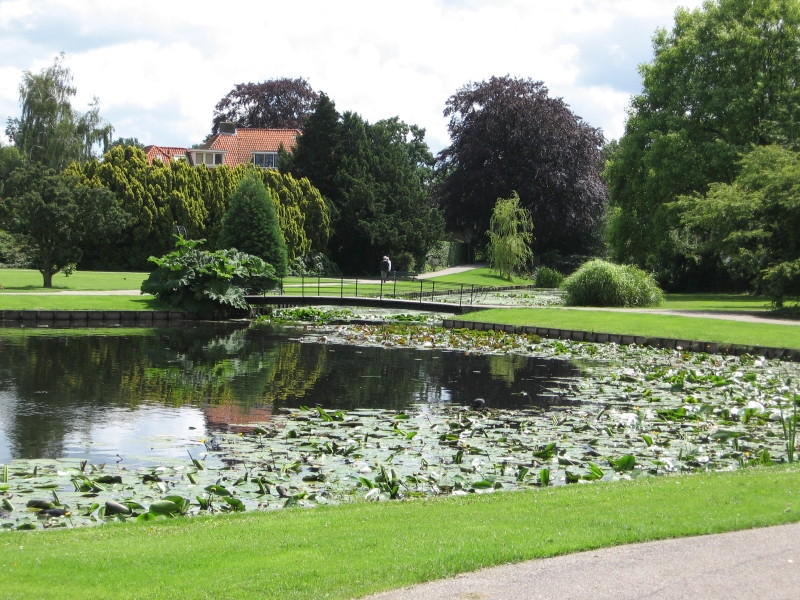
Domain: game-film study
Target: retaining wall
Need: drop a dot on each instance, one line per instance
(100, 318)
(598, 337)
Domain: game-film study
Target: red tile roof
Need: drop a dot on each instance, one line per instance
(165, 153)
(241, 145)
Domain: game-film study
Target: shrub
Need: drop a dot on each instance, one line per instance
(202, 282)
(600, 283)
(251, 225)
(315, 264)
(548, 278)
(404, 261)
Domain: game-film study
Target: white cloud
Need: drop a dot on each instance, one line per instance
(160, 67)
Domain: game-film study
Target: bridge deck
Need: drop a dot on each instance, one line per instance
(393, 303)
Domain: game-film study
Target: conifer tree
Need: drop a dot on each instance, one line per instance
(251, 225)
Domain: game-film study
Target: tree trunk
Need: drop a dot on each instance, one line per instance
(46, 273)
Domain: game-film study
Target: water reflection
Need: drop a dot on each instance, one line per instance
(96, 394)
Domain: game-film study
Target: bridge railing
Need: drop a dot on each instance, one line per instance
(421, 289)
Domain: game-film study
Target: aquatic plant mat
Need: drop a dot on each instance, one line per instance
(355, 549)
(635, 412)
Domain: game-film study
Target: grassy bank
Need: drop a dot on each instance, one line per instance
(30, 280)
(77, 302)
(651, 325)
(352, 550)
(716, 302)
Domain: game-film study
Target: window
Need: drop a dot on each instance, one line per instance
(266, 160)
(218, 159)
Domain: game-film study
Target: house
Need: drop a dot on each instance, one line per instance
(234, 146)
(164, 153)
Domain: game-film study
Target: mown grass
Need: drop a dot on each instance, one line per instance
(77, 302)
(30, 280)
(726, 302)
(484, 277)
(645, 324)
(353, 550)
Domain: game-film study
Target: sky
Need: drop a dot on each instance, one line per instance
(158, 68)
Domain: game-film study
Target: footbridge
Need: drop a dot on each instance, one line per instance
(286, 300)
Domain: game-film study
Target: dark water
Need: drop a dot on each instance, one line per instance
(106, 395)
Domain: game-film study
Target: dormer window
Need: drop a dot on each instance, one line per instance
(209, 158)
(266, 160)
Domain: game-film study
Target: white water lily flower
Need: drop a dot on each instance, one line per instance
(738, 375)
(734, 411)
(759, 363)
(775, 415)
(756, 405)
(365, 470)
(373, 494)
(703, 459)
(628, 419)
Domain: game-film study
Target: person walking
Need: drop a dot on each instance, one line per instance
(386, 266)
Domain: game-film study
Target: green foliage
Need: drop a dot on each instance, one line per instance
(52, 214)
(375, 178)
(160, 196)
(601, 283)
(510, 236)
(49, 130)
(404, 261)
(548, 278)
(721, 80)
(752, 225)
(201, 282)
(251, 225)
(446, 254)
(314, 264)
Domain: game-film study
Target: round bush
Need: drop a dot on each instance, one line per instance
(601, 283)
(548, 278)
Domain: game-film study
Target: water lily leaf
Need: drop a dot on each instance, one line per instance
(235, 504)
(544, 477)
(624, 463)
(114, 508)
(217, 490)
(6, 504)
(164, 507)
(647, 440)
(39, 504)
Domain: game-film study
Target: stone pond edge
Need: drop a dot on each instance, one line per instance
(654, 342)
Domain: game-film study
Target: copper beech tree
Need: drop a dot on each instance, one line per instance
(508, 134)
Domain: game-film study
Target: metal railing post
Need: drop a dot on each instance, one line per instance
(319, 278)
(433, 290)
(421, 281)
(461, 296)
(303, 286)
(394, 293)
(341, 288)
(356, 287)
(381, 292)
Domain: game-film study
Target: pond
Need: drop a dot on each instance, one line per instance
(104, 394)
(99, 425)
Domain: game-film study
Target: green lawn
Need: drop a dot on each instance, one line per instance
(480, 277)
(30, 280)
(726, 302)
(356, 549)
(56, 302)
(651, 325)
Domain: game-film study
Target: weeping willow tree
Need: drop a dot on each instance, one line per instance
(510, 236)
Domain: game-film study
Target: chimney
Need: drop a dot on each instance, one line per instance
(227, 128)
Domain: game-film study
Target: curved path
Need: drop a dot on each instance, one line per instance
(755, 563)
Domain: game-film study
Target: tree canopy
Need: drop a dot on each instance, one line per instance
(250, 224)
(375, 178)
(509, 134)
(53, 214)
(50, 130)
(752, 225)
(722, 80)
(277, 103)
(160, 196)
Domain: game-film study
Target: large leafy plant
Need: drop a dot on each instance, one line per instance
(202, 282)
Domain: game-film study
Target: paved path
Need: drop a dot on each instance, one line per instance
(451, 271)
(747, 565)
